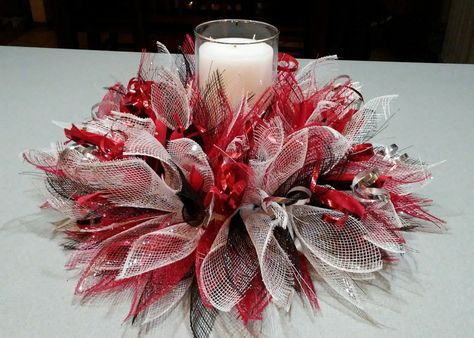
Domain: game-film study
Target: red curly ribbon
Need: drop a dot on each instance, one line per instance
(314, 179)
(340, 201)
(338, 221)
(361, 152)
(287, 63)
(137, 101)
(108, 147)
(231, 182)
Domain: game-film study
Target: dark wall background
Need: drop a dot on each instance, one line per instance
(398, 30)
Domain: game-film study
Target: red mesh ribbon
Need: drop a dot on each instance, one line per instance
(158, 283)
(413, 206)
(255, 300)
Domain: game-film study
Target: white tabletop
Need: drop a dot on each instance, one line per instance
(435, 114)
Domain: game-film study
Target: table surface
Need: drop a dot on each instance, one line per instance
(432, 295)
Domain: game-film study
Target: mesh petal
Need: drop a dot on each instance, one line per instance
(343, 248)
(160, 248)
(275, 266)
(289, 160)
(187, 154)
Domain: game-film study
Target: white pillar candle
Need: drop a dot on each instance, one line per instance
(246, 66)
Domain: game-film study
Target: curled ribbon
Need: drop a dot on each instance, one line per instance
(367, 185)
(358, 153)
(287, 63)
(340, 201)
(107, 147)
(231, 182)
(137, 101)
(179, 131)
(343, 202)
(361, 152)
(298, 195)
(390, 152)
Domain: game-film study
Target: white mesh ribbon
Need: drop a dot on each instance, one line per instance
(139, 140)
(227, 271)
(160, 248)
(127, 182)
(164, 56)
(46, 159)
(214, 283)
(58, 189)
(106, 259)
(187, 154)
(147, 68)
(290, 159)
(317, 74)
(118, 121)
(275, 265)
(268, 142)
(369, 119)
(87, 252)
(382, 222)
(339, 280)
(167, 302)
(141, 143)
(326, 147)
(170, 101)
(321, 106)
(405, 175)
(362, 276)
(343, 248)
(228, 324)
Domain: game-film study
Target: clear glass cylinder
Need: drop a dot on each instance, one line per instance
(243, 52)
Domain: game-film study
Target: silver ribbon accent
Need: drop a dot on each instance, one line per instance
(362, 187)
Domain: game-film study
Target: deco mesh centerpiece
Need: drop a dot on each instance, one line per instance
(170, 193)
